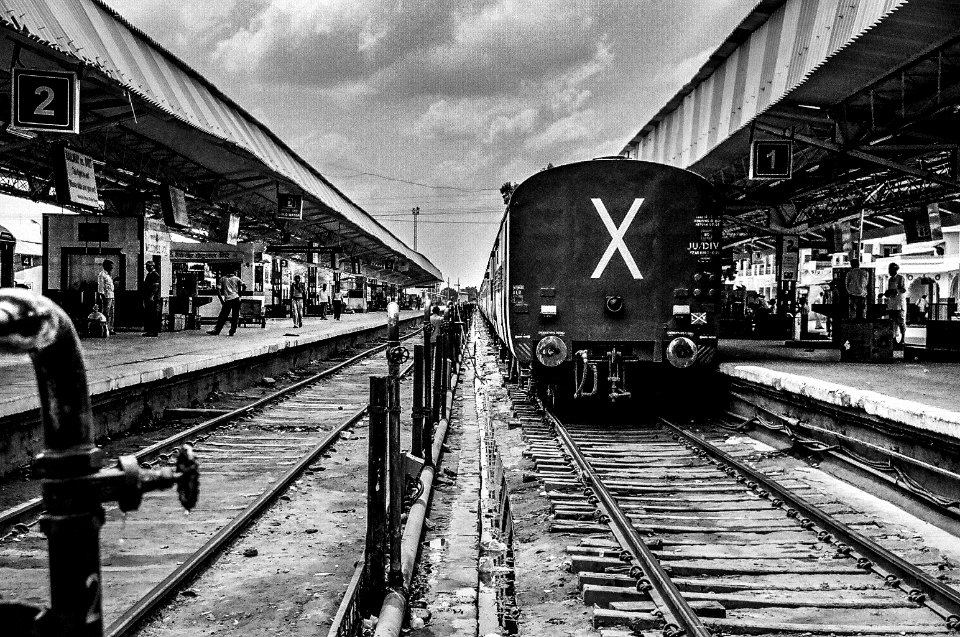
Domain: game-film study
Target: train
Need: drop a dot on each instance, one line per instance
(606, 277)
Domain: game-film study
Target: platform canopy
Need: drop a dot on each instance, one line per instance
(867, 90)
(147, 120)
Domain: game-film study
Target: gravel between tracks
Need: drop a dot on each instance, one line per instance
(306, 547)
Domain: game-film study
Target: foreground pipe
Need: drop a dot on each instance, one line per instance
(73, 483)
(394, 605)
(395, 355)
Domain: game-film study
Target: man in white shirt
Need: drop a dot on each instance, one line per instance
(896, 300)
(324, 301)
(228, 289)
(106, 294)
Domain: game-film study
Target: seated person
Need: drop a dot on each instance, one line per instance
(97, 323)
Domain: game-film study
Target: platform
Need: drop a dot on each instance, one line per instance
(127, 359)
(925, 395)
(132, 378)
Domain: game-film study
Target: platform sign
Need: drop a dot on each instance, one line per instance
(45, 101)
(771, 159)
(289, 207)
(76, 179)
(789, 257)
(173, 203)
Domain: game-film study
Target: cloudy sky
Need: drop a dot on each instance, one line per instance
(436, 103)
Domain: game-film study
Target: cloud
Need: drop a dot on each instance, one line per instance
(574, 127)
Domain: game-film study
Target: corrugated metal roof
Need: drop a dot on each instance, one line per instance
(774, 50)
(95, 35)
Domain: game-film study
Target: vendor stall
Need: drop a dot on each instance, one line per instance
(197, 267)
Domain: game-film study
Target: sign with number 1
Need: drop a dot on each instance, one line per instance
(45, 101)
(771, 159)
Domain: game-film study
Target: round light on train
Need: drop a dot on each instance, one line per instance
(697, 292)
(697, 276)
(551, 351)
(712, 293)
(614, 304)
(681, 352)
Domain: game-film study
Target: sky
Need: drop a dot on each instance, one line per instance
(436, 103)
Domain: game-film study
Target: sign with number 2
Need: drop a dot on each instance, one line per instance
(45, 101)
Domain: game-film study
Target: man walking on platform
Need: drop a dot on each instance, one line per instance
(228, 289)
(324, 301)
(896, 301)
(337, 303)
(298, 291)
(857, 282)
(105, 292)
(151, 301)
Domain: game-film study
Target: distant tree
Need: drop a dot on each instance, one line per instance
(547, 167)
(506, 190)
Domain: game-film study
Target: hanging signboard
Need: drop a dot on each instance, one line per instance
(289, 207)
(173, 203)
(771, 159)
(789, 257)
(922, 224)
(76, 179)
(45, 101)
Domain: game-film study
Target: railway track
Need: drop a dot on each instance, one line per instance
(704, 542)
(249, 457)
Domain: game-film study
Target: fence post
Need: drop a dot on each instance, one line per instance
(394, 453)
(416, 442)
(427, 402)
(374, 555)
(438, 384)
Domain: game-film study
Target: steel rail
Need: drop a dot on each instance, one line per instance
(683, 614)
(16, 514)
(154, 598)
(938, 502)
(941, 595)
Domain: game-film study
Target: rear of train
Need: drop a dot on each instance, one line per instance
(605, 279)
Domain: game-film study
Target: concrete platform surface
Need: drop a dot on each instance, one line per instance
(127, 359)
(921, 394)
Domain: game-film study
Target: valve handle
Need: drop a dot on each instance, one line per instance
(188, 482)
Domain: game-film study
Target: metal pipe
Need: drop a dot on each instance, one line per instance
(33, 324)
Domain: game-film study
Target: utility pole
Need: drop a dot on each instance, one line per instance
(416, 213)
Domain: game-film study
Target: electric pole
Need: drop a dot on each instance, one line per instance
(416, 213)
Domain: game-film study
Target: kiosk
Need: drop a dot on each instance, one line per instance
(198, 266)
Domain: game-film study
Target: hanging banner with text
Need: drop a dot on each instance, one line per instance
(76, 179)
(922, 223)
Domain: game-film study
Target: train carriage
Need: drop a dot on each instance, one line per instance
(605, 272)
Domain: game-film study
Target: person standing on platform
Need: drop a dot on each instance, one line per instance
(324, 301)
(337, 303)
(436, 320)
(151, 301)
(105, 292)
(856, 283)
(228, 289)
(298, 291)
(922, 307)
(896, 301)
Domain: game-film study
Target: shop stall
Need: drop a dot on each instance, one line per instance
(197, 267)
